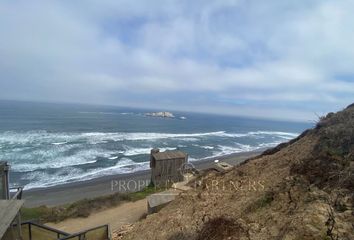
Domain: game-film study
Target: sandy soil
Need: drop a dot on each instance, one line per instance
(125, 213)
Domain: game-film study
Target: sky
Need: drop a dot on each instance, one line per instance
(277, 59)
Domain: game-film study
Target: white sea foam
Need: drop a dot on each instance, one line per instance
(81, 157)
(275, 133)
(136, 151)
(102, 137)
(225, 150)
(204, 147)
(267, 145)
(139, 151)
(284, 135)
(238, 148)
(146, 136)
(189, 139)
(43, 179)
(207, 147)
(59, 143)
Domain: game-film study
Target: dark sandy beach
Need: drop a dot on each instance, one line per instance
(71, 192)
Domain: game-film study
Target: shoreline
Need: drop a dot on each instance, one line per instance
(75, 191)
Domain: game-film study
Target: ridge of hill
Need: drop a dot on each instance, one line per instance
(300, 190)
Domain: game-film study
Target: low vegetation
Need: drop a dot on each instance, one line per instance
(83, 208)
(262, 202)
(331, 164)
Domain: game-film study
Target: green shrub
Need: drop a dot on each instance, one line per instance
(262, 202)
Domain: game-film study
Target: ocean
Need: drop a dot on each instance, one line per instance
(50, 144)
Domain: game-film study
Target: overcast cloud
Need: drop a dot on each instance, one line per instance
(275, 59)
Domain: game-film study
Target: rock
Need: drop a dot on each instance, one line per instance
(160, 114)
(157, 201)
(124, 229)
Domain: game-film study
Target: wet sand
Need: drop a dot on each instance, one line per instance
(71, 192)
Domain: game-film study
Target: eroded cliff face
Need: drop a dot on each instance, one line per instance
(301, 190)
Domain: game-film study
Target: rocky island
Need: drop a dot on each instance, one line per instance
(160, 114)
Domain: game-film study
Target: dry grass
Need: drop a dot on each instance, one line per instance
(221, 228)
(331, 164)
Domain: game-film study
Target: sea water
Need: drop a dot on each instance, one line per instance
(49, 144)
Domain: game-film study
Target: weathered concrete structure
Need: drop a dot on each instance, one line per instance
(222, 167)
(166, 167)
(157, 201)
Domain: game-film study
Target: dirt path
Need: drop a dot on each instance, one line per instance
(123, 214)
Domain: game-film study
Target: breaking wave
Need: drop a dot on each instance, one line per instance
(67, 175)
(11, 137)
(47, 159)
(43, 158)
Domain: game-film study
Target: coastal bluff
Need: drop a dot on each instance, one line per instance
(303, 189)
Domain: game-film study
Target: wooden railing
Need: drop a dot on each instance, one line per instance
(18, 194)
(97, 233)
(35, 231)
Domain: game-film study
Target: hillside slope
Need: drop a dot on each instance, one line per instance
(297, 191)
